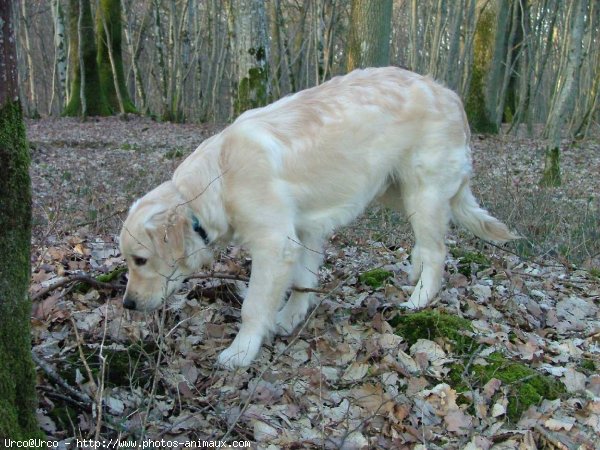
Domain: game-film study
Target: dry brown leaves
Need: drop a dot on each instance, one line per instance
(345, 380)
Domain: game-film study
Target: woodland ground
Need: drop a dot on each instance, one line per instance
(507, 358)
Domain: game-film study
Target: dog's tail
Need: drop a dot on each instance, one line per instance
(467, 212)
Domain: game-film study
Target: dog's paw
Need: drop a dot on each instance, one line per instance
(413, 305)
(285, 323)
(242, 351)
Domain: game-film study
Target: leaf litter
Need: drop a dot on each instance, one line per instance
(346, 379)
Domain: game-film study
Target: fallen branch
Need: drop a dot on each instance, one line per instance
(229, 276)
(120, 287)
(54, 376)
(76, 278)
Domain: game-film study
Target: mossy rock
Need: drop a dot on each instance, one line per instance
(466, 259)
(375, 278)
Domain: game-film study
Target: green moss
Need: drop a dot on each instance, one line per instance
(475, 105)
(83, 287)
(252, 89)
(375, 278)
(174, 153)
(123, 367)
(594, 272)
(526, 386)
(466, 259)
(110, 12)
(95, 96)
(451, 331)
(18, 400)
(588, 365)
(551, 176)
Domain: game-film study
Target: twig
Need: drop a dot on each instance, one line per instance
(74, 278)
(120, 287)
(229, 276)
(49, 370)
(82, 356)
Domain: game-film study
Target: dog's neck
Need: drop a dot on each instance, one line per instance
(199, 182)
(199, 229)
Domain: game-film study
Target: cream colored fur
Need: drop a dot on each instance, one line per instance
(281, 178)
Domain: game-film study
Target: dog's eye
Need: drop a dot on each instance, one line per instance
(139, 261)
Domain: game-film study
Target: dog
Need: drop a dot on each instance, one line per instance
(281, 178)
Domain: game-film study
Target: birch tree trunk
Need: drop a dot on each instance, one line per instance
(566, 91)
(60, 59)
(18, 401)
(369, 34)
(250, 53)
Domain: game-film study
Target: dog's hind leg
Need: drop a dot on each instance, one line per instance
(428, 210)
(305, 276)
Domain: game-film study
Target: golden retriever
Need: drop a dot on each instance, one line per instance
(281, 178)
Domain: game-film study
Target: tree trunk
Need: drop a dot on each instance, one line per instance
(250, 51)
(369, 34)
(563, 99)
(162, 65)
(60, 57)
(33, 106)
(17, 377)
(475, 106)
(109, 29)
(82, 61)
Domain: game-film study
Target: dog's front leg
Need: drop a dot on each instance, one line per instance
(272, 269)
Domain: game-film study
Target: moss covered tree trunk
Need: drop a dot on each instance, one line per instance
(369, 34)
(475, 105)
(84, 68)
(248, 38)
(17, 378)
(109, 30)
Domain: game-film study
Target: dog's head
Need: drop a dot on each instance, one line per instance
(163, 242)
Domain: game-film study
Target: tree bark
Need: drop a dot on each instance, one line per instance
(17, 377)
(563, 99)
(109, 29)
(60, 57)
(250, 51)
(475, 106)
(369, 34)
(33, 106)
(87, 98)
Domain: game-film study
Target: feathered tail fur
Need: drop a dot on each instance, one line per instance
(467, 212)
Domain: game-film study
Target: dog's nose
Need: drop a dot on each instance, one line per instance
(129, 303)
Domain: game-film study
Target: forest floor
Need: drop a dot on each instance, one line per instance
(508, 357)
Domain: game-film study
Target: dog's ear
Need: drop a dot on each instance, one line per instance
(166, 230)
